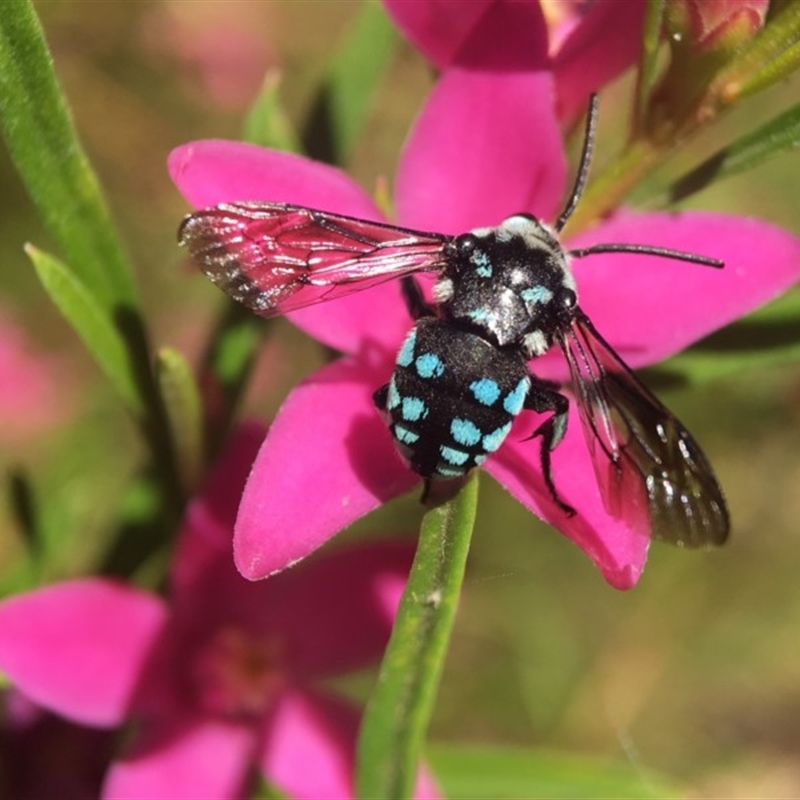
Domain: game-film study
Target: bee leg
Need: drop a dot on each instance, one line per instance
(416, 303)
(380, 397)
(542, 399)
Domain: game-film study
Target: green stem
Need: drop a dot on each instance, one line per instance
(400, 708)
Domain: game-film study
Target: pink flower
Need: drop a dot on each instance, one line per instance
(220, 680)
(589, 43)
(43, 755)
(220, 52)
(36, 393)
(486, 145)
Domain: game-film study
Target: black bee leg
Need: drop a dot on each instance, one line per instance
(380, 397)
(541, 399)
(415, 302)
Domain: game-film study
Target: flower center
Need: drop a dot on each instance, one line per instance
(237, 675)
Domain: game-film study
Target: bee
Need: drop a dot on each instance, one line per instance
(504, 296)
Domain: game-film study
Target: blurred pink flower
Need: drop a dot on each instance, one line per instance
(220, 680)
(35, 391)
(43, 756)
(486, 145)
(583, 45)
(223, 49)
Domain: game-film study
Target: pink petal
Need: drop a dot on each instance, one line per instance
(190, 759)
(213, 171)
(37, 391)
(78, 648)
(490, 35)
(485, 146)
(313, 729)
(618, 552)
(328, 460)
(437, 28)
(375, 318)
(650, 308)
(309, 730)
(335, 612)
(606, 42)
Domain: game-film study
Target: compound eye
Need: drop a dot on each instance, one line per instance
(464, 248)
(568, 298)
(466, 244)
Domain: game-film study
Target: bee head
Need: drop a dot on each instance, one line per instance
(509, 282)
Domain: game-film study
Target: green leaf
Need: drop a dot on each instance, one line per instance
(184, 410)
(400, 708)
(267, 123)
(45, 150)
(473, 773)
(91, 322)
(648, 62)
(355, 71)
(779, 134)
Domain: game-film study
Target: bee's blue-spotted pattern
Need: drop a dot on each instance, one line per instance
(440, 429)
(461, 376)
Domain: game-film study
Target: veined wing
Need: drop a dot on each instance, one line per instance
(275, 257)
(651, 472)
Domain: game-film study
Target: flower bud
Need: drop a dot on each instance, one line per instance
(713, 26)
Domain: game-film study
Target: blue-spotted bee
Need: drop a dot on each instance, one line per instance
(504, 296)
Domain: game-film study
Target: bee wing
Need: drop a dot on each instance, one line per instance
(651, 472)
(276, 258)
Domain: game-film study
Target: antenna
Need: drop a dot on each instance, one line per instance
(577, 191)
(583, 168)
(649, 250)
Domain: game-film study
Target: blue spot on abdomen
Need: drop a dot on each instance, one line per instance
(515, 399)
(465, 432)
(414, 409)
(494, 439)
(406, 354)
(393, 396)
(452, 456)
(429, 365)
(485, 391)
(405, 435)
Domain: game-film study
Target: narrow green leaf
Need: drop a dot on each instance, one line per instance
(266, 123)
(779, 134)
(184, 409)
(400, 708)
(91, 322)
(780, 68)
(648, 62)
(44, 148)
(343, 100)
(479, 773)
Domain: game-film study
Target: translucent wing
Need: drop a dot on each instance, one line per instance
(276, 258)
(651, 472)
